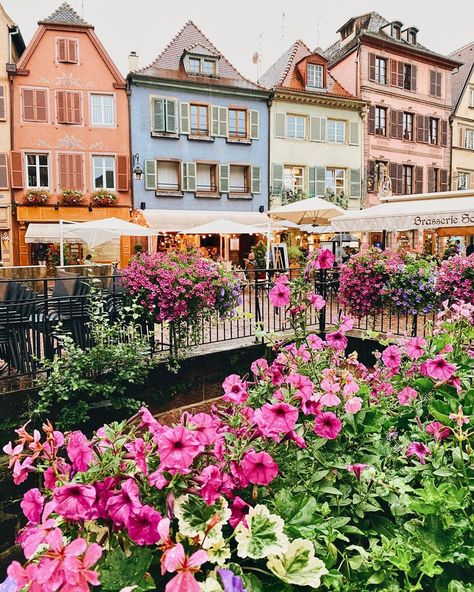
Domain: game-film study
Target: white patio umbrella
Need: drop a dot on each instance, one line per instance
(314, 229)
(314, 210)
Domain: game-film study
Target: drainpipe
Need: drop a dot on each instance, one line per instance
(129, 102)
(269, 165)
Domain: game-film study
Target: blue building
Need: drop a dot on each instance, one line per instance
(199, 130)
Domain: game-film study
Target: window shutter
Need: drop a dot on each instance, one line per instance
(158, 115)
(413, 78)
(438, 83)
(150, 174)
(420, 128)
(393, 123)
(317, 129)
(312, 181)
(254, 124)
(400, 126)
(63, 163)
(355, 182)
(215, 120)
(256, 179)
(223, 122)
(396, 176)
(277, 178)
(76, 99)
(419, 179)
(184, 117)
(3, 171)
(2, 102)
(444, 132)
(28, 104)
(171, 107)
(444, 180)
(427, 129)
(320, 181)
(371, 66)
(78, 179)
(60, 107)
(62, 50)
(394, 72)
(189, 182)
(224, 178)
(280, 120)
(371, 120)
(400, 75)
(354, 133)
(41, 105)
(72, 51)
(431, 180)
(17, 170)
(432, 83)
(461, 137)
(122, 173)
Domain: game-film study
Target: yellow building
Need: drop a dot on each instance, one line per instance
(11, 48)
(462, 121)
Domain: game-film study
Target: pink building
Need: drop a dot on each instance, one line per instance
(408, 90)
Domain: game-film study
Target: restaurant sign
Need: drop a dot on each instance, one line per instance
(443, 220)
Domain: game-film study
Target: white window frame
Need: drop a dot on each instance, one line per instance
(91, 109)
(465, 175)
(179, 179)
(471, 97)
(469, 139)
(332, 126)
(37, 166)
(104, 170)
(378, 116)
(295, 118)
(378, 70)
(333, 172)
(317, 76)
(294, 187)
(247, 176)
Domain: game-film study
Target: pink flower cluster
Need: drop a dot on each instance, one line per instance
(455, 281)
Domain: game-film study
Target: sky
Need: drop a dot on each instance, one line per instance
(241, 28)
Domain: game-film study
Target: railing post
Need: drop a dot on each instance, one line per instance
(256, 300)
(324, 292)
(414, 329)
(48, 344)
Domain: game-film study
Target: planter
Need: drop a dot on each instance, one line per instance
(72, 197)
(103, 198)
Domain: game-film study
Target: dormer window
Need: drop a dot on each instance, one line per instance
(412, 37)
(314, 76)
(209, 67)
(396, 30)
(198, 65)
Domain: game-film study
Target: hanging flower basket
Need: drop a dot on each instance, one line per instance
(36, 197)
(103, 198)
(72, 197)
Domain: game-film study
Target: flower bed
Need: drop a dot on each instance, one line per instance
(311, 472)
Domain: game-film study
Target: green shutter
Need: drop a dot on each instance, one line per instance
(355, 183)
(171, 116)
(312, 181)
(317, 127)
(158, 115)
(215, 120)
(184, 117)
(224, 178)
(277, 178)
(150, 174)
(354, 133)
(320, 181)
(280, 120)
(223, 122)
(254, 125)
(256, 179)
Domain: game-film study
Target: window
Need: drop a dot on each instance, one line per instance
(206, 67)
(69, 107)
(381, 70)
(164, 118)
(194, 65)
(471, 97)
(296, 127)
(3, 171)
(103, 110)
(408, 126)
(314, 76)
(37, 171)
(407, 179)
(209, 67)
(435, 83)
(199, 120)
(67, 51)
(463, 181)
(433, 130)
(407, 77)
(293, 178)
(469, 139)
(336, 181)
(206, 178)
(2, 102)
(34, 105)
(336, 131)
(239, 179)
(396, 31)
(168, 176)
(238, 123)
(412, 37)
(104, 172)
(381, 121)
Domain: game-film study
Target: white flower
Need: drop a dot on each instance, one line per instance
(211, 584)
(263, 535)
(197, 519)
(219, 553)
(298, 565)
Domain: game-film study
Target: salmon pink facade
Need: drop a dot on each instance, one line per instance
(408, 91)
(70, 146)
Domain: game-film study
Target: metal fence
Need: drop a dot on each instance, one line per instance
(31, 311)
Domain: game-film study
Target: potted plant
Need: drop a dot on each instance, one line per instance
(103, 197)
(72, 197)
(36, 197)
(260, 252)
(294, 256)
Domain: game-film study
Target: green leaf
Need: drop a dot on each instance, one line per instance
(377, 578)
(118, 570)
(298, 565)
(252, 583)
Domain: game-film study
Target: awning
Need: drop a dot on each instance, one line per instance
(222, 227)
(179, 220)
(424, 211)
(49, 233)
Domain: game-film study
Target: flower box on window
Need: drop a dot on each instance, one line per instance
(72, 197)
(36, 197)
(103, 198)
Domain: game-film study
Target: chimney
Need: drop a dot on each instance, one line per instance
(133, 62)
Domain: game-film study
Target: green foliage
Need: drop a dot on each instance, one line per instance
(119, 570)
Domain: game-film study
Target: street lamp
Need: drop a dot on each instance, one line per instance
(137, 167)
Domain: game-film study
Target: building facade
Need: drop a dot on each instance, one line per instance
(315, 131)
(199, 130)
(71, 131)
(11, 48)
(408, 90)
(462, 120)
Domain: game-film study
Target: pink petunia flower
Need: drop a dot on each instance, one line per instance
(177, 560)
(21, 470)
(79, 451)
(325, 259)
(314, 341)
(210, 480)
(204, 427)
(142, 525)
(178, 447)
(259, 468)
(337, 340)
(316, 300)
(279, 295)
(416, 347)
(79, 569)
(329, 400)
(239, 509)
(74, 501)
(438, 430)
(407, 395)
(32, 505)
(33, 536)
(419, 450)
(259, 366)
(138, 452)
(392, 357)
(235, 389)
(275, 419)
(353, 405)
(439, 369)
(357, 469)
(124, 502)
(347, 324)
(327, 425)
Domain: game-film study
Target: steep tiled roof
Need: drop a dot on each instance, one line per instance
(200, 49)
(65, 15)
(461, 76)
(282, 74)
(169, 63)
(371, 24)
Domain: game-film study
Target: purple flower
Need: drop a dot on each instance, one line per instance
(232, 583)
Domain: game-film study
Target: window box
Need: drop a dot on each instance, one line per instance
(164, 135)
(72, 197)
(238, 141)
(103, 198)
(36, 197)
(164, 193)
(200, 138)
(240, 196)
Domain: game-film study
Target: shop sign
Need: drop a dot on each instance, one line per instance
(440, 220)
